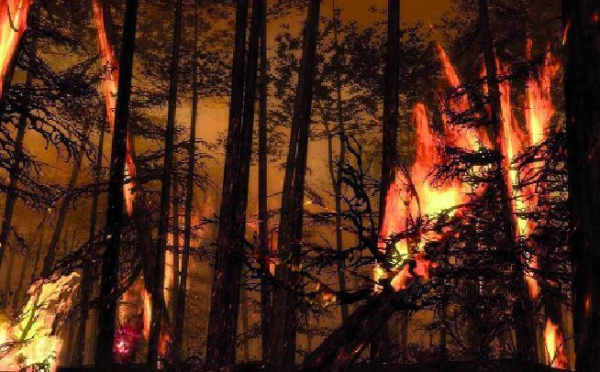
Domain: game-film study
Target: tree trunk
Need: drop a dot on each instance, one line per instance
(228, 262)
(189, 201)
(165, 200)
(337, 184)
(16, 301)
(87, 278)
(379, 348)
(582, 103)
(266, 301)
(345, 344)
(110, 262)
(289, 248)
(523, 309)
(15, 174)
(62, 217)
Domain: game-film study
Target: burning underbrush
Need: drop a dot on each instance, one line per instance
(31, 338)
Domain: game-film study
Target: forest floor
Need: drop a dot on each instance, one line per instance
(476, 366)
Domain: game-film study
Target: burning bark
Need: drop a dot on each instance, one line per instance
(110, 260)
(14, 15)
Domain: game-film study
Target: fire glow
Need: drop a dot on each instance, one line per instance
(555, 346)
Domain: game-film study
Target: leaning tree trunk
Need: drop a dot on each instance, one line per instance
(523, 309)
(285, 302)
(228, 262)
(165, 200)
(110, 261)
(62, 217)
(189, 199)
(582, 103)
(266, 301)
(379, 347)
(345, 344)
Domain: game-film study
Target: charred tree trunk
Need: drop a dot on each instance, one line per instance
(266, 301)
(289, 248)
(228, 262)
(165, 200)
(62, 217)
(336, 179)
(14, 175)
(379, 349)
(523, 309)
(345, 344)
(87, 278)
(582, 103)
(222, 330)
(110, 260)
(189, 201)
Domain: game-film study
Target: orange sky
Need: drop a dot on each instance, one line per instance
(429, 11)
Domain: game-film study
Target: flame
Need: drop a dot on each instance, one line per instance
(13, 22)
(432, 200)
(403, 205)
(30, 340)
(538, 115)
(470, 138)
(110, 86)
(538, 97)
(555, 346)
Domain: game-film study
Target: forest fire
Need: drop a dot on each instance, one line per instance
(412, 211)
(13, 22)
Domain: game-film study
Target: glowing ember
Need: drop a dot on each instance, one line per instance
(555, 346)
(30, 340)
(110, 66)
(127, 340)
(13, 22)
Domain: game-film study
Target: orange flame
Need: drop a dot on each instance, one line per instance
(538, 115)
(13, 22)
(555, 346)
(110, 66)
(470, 138)
(147, 299)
